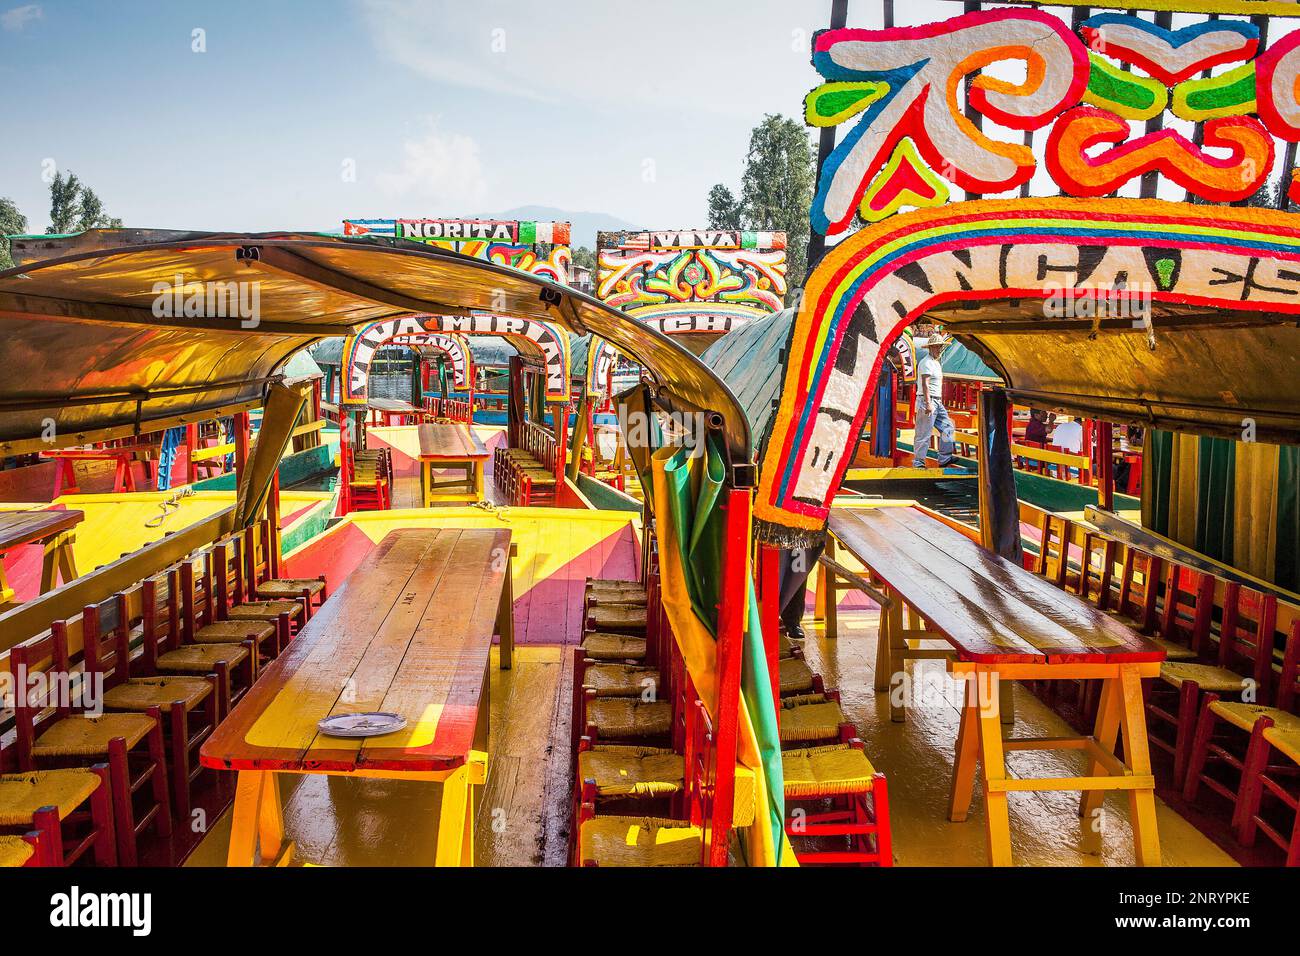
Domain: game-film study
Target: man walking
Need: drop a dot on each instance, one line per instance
(930, 411)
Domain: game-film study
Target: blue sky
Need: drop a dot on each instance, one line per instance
(444, 108)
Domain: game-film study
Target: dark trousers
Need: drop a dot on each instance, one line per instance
(796, 565)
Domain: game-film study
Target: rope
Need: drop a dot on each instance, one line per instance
(172, 503)
(499, 511)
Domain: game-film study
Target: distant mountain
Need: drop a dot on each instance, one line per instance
(585, 224)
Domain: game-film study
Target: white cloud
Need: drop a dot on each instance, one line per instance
(440, 169)
(17, 18)
(702, 58)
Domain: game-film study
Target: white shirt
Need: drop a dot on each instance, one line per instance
(1068, 435)
(930, 368)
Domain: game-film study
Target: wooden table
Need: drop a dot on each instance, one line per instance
(387, 409)
(409, 631)
(1006, 624)
(49, 527)
(451, 445)
(122, 455)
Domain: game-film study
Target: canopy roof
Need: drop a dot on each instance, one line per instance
(1204, 371)
(110, 364)
(751, 360)
(960, 362)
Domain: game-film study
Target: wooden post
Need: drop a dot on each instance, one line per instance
(561, 429)
(241, 445)
(1105, 467)
(998, 507)
(191, 445)
(273, 519)
(515, 402)
(732, 606)
(580, 436)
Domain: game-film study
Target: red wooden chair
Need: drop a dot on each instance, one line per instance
(1232, 734)
(199, 615)
(61, 816)
(22, 851)
(1139, 589)
(850, 799)
(623, 840)
(234, 663)
(1175, 697)
(190, 705)
(231, 595)
(1054, 564)
(1095, 582)
(55, 729)
(263, 584)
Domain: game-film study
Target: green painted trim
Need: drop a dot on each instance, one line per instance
(293, 469)
(606, 497)
(311, 524)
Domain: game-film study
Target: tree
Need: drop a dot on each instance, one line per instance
(584, 258)
(724, 211)
(64, 191)
(777, 187)
(75, 207)
(12, 223)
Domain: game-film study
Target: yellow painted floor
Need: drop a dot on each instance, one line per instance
(118, 524)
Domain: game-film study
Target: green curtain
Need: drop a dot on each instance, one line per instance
(1288, 518)
(699, 528)
(1214, 500)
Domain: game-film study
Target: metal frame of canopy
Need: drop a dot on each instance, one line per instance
(310, 286)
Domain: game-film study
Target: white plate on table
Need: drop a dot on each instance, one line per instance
(370, 724)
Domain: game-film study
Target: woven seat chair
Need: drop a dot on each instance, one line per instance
(258, 545)
(796, 677)
(233, 663)
(607, 591)
(627, 719)
(614, 771)
(638, 841)
(21, 851)
(190, 706)
(807, 718)
(842, 775)
(45, 802)
(644, 839)
(1264, 778)
(199, 615)
(602, 646)
(1233, 734)
(621, 680)
(1245, 652)
(53, 731)
(234, 598)
(626, 619)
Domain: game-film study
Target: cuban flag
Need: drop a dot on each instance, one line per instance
(370, 227)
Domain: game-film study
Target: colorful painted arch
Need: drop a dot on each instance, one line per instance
(543, 340)
(455, 347)
(873, 284)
